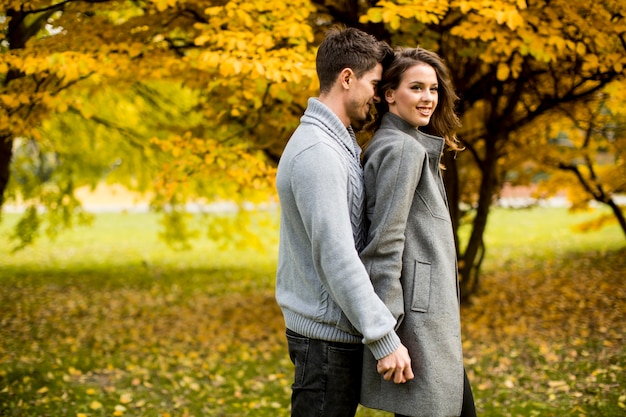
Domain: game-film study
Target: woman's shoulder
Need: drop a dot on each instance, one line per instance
(394, 140)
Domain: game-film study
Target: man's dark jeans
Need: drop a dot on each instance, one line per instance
(327, 380)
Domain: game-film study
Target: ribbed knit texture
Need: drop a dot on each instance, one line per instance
(317, 114)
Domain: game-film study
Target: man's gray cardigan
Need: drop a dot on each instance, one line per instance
(411, 259)
(321, 284)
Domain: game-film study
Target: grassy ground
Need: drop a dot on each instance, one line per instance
(108, 321)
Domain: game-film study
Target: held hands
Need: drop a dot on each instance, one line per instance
(396, 366)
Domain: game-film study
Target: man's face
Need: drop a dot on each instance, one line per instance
(363, 95)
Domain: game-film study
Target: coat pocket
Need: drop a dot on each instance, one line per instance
(436, 208)
(421, 287)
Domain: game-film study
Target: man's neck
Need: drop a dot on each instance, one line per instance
(335, 104)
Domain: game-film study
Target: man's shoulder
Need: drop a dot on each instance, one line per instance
(310, 139)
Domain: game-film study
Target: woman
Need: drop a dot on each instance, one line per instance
(410, 254)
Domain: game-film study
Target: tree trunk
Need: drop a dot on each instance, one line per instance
(619, 215)
(17, 35)
(451, 179)
(470, 262)
(6, 153)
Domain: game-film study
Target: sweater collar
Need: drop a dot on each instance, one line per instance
(317, 113)
(432, 144)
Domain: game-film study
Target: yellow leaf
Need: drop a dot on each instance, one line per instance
(465, 6)
(73, 371)
(62, 108)
(503, 71)
(374, 15)
(213, 11)
(390, 14)
(161, 5)
(514, 20)
(95, 405)
(501, 16)
(554, 384)
(126, 398)
(395, 22)
(42, 390)
(226, 69)
(8, 100)
(201, 40)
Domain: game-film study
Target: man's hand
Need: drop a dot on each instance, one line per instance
(396, 366)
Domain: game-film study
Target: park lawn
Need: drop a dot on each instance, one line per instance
(107, 320)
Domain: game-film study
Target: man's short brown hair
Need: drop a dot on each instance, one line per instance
(348, 48)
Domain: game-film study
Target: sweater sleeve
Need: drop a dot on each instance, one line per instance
(319, 179)
(392, 172)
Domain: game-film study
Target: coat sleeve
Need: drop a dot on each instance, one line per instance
(393, 167)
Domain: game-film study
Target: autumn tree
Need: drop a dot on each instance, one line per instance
(244, 62)
(512, 61)
(579, 150)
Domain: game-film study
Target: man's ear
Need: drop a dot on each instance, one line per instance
(346, 78)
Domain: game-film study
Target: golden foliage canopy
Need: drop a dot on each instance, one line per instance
(250, 66)
(244, 61)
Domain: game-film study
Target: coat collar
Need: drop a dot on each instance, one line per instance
(433, 144)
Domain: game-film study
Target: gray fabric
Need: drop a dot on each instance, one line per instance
(321, 284)
(411, 260)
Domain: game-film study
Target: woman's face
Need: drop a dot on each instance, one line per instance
(416, 97)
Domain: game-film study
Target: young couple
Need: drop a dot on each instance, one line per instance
(367, 274)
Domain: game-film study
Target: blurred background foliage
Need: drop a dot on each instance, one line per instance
(192, 102)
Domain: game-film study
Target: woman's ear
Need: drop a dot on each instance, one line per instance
(390, 96)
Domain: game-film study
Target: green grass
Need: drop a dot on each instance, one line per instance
(545, 233)
(107, 320)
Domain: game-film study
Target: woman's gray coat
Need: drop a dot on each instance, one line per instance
(411, 259)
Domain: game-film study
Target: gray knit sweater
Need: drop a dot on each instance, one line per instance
(321, 284)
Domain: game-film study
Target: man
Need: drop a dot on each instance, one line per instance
(328, 302)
